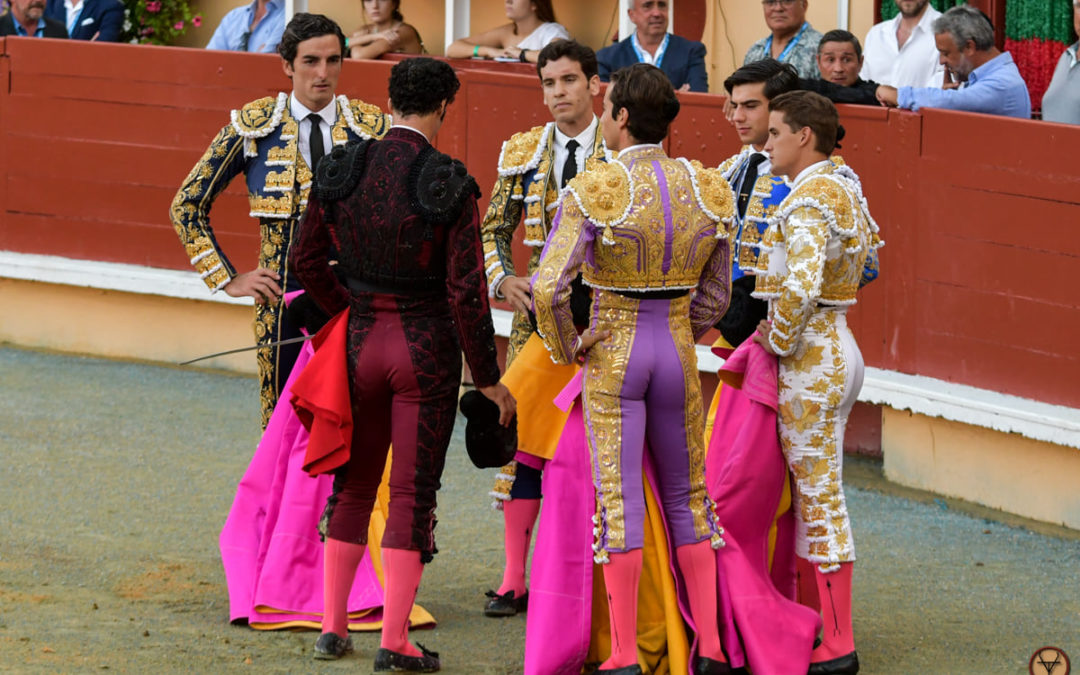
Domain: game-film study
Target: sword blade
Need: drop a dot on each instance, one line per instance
(279, 343)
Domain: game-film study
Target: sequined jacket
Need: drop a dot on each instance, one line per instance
(401, 216)
(527, 186)
(262, 142)
(643, 223)
(815, 251)
(768, 192)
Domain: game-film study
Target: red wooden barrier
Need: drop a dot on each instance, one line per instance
(978, 212)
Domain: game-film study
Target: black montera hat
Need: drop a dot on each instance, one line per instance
(488, 443)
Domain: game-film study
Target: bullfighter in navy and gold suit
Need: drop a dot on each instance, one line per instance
(650, 234)
(269, 140)
(818, 250)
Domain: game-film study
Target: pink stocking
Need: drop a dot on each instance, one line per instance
(621, 577)
(697, 562)
(807, 584)
(834, 589)
(403, 570)
(519, 518)
(340, 560)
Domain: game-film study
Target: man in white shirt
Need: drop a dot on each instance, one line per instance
(901, 52)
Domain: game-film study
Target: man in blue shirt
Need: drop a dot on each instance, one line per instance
(27, 19)
(682, 60)
(990, 83)
(251, 28)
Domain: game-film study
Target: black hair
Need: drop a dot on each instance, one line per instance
(305, 26)
(778, 78)
(841, 36)
(646, 93)
(419, 85)
(571, 49)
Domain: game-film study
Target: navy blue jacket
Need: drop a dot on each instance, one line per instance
(104, 18)
(683, 62)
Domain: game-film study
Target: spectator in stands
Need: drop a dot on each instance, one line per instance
(901, 52)
(1061, 103)
(989, 80)
(101, 20)
(682, 60)
(840, 58)
(27, 18)
(793, 40)
(251, 28)
(532, 26)
(385, 32)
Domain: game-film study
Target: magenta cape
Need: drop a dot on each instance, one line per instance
(745, 472)
(270, 548)
(559, 630)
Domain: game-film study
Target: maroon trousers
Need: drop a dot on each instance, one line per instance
(406, 371)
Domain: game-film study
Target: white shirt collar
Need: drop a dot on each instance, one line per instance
(805, 173)
(300, 111)
(71, 6)
(926, 23)
(586, 139)
(412, 129)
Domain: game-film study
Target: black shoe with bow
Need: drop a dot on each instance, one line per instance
(394, 662)
(848, 664)
(331, 646)
(505, 604)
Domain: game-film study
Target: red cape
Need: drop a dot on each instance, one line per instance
(320, 396)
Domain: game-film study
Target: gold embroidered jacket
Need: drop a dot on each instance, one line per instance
(262, 142)
(644, 222)
(815, 251)
(527, 185)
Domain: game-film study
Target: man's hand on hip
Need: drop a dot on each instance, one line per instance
(516, 290)
(260, 283)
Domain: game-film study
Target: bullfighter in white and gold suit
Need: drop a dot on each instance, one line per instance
(813, 260)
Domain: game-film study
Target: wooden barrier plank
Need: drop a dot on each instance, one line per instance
(977, 212)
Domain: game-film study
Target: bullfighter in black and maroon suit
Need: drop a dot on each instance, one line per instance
(404, 221)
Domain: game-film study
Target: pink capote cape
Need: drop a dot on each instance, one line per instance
(559, 628)
(745, 472)
(270, 548)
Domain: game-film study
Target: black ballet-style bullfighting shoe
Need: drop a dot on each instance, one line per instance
(331, 647)
(505, 604)
(395, 662)
(848, 664)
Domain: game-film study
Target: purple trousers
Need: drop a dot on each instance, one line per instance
(641, 385)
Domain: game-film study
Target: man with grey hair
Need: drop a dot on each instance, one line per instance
(985, 79)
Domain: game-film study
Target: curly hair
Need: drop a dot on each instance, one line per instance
(646, 93)
(305, 26)
(418, 86)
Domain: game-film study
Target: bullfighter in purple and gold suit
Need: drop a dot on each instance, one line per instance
(650, 231)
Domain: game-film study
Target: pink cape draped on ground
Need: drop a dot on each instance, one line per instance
(745, 472)
(270, 548)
